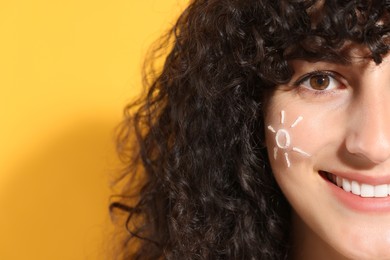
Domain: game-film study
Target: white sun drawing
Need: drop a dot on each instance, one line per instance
(283, 139)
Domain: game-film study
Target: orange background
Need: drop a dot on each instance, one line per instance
(67, 68)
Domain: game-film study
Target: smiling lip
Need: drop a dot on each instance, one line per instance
(358, 195)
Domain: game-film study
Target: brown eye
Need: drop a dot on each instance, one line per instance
(319, 82)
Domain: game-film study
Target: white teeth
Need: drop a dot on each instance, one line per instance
(355, 188)
(361, 189)
(381, 191)
(339, 181)
(347, 185)
(367, 190)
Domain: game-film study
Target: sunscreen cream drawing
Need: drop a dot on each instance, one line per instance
(283, 139)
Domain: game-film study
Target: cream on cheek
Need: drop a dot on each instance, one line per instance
(283, 138)
(305, 132)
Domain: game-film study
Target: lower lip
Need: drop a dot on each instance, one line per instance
(358, 203)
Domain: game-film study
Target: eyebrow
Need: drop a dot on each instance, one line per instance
(337, 60)
(344, 56)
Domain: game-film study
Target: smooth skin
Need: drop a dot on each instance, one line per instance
(346, 130)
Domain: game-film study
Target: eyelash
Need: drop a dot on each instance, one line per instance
(298, 84)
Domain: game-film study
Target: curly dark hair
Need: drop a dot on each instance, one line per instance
(198, 181)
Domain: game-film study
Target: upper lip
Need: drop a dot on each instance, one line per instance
(367, 178)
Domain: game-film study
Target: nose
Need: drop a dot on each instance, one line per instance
(369, 127)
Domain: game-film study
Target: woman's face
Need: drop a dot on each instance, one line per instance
(328, 140)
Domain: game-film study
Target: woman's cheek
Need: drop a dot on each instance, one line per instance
(288, 139)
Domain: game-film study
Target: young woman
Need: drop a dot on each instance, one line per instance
(265, 136)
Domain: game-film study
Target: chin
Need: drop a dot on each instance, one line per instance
(365, 246)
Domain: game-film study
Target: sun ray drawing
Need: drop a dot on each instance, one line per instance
(283, 139)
